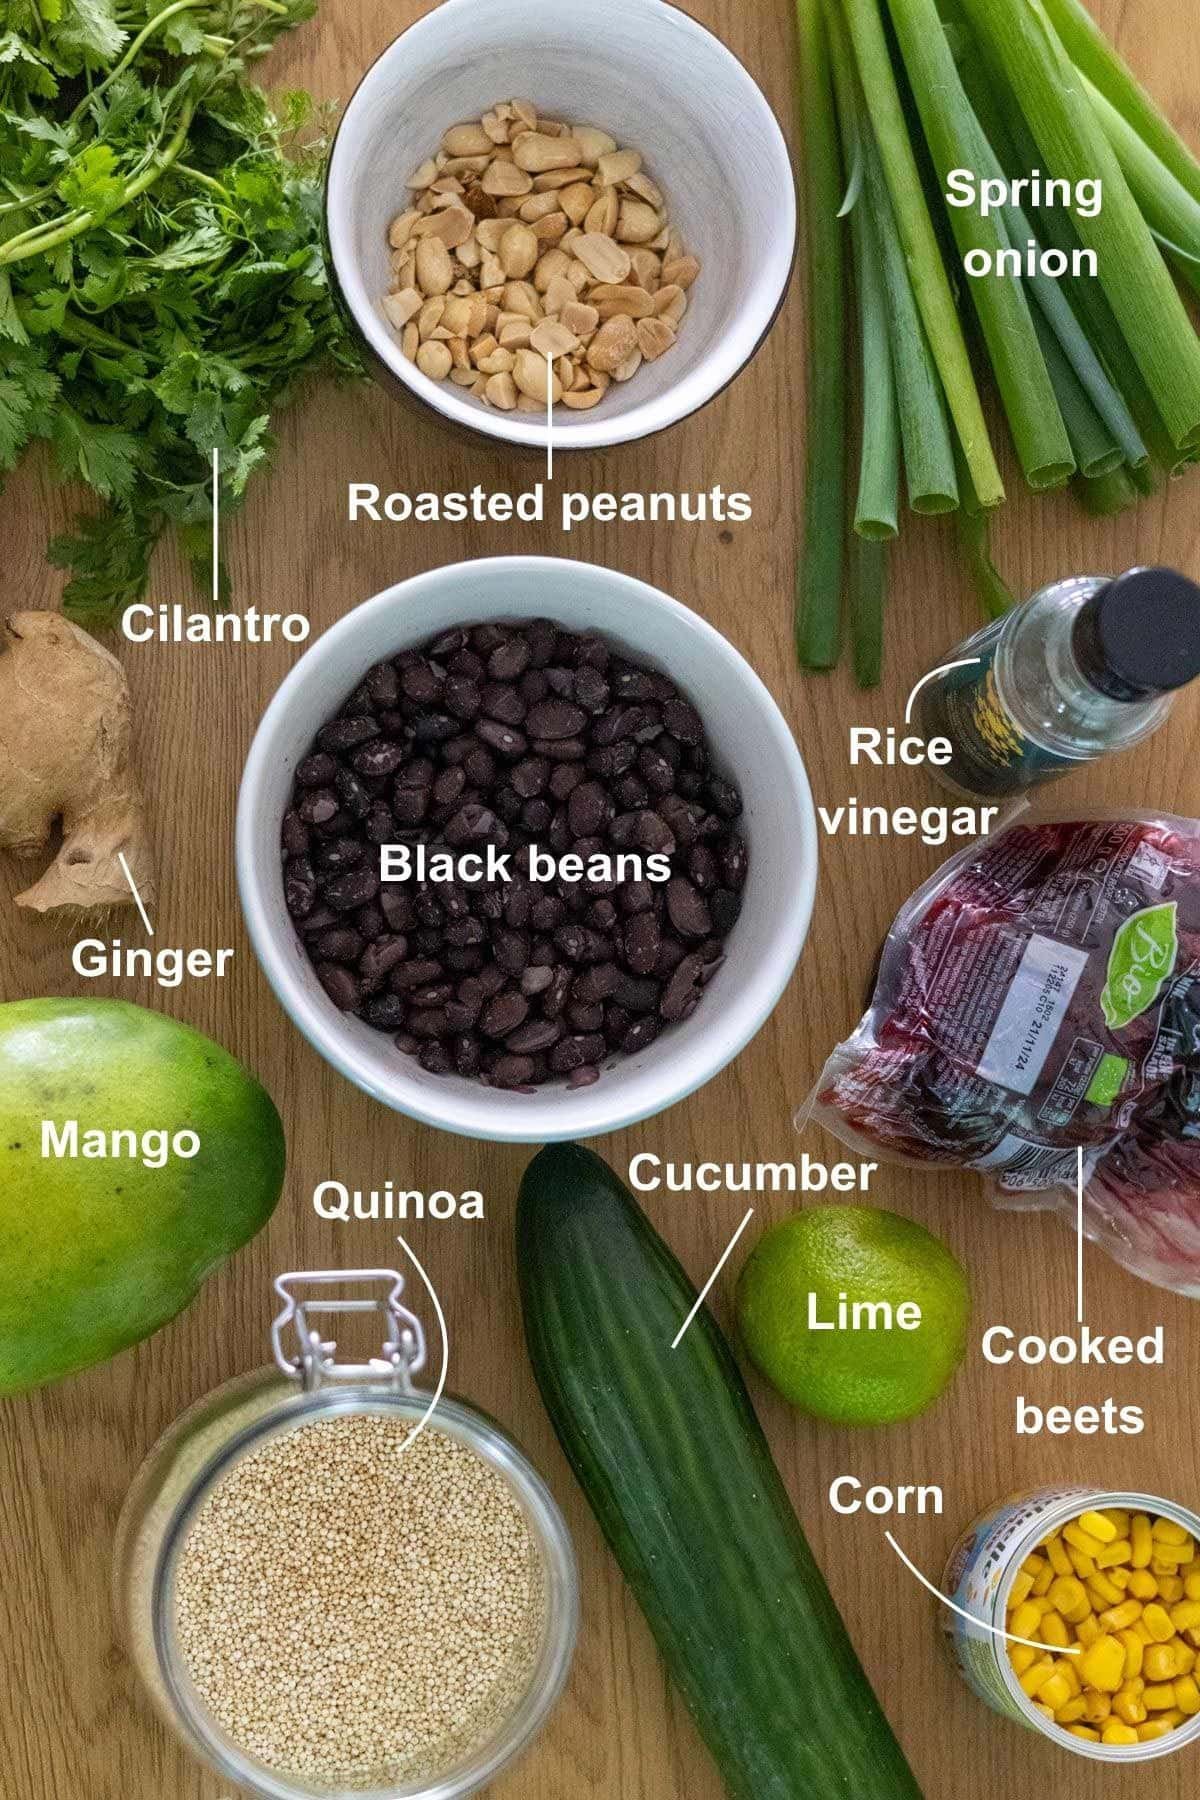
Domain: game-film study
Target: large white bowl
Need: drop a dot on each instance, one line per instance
(659, 83)
(750, 741)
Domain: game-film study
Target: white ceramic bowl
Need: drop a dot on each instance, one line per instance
(750, 741)
(655, 80)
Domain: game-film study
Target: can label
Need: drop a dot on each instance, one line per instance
(992, 755)
(975, 1576)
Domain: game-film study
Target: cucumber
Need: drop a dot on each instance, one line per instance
(673, 1461)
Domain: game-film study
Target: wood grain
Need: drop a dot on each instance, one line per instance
(71, 1720)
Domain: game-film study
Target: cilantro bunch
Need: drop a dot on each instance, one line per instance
(162, 279)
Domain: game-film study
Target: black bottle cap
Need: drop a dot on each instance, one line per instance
(1140, 635)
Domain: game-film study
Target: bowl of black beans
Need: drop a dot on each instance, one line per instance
(526, 849)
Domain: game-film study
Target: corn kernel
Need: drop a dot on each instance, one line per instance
(1142, 1585)
(1084, 1566)
(1084, 1731)
(1158, 1624)
(1020, 1591)
(1103, 1592)
(1120, 1618)
(1168, 1558)
(1083, 1541)
(1142, 1539)
(1187, 1696)
(1099, 1706)
(1185, 1657)
(1113, 1555)
(1057, 1557)
(1129, 1705)
(1185, 1614)
(1022, 1657)
(1025, 1621)
(1066, 1666)
(1135, 1652)
(1159, 1696)
(1166, 1531)
(1170, 1588)
(1153, 1728)
(1118, 1519)
(1040, 1671)
(1191, 1584)
(1103, 1666)
(1053, 1630)
(1097, 1526)
(1089, 1629)
(1117, 1733)
(1159, 1663)
(1068, 1597)
(1043, 1579)
(1047, 1712)
(1056, 1692)
(1072, 1712)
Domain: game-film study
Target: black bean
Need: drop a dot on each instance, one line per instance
(502, 738)
(355, 888)
(687, 909)
(352, 792)
(318, 806)
(681, 988)
(422, 683)
(295, 834)
(643, 940)
(337, 943)
(381, 957)
(735, 861)
(340, 984)
(530, 776)
(640, 1034)
(434, 728)
(683, 721)
(564, 779)
(513, 1071)
(347, 734)
(317, 770)
(462, 697)
(538, 1034)
(383, 757)
(572, 1052)
(504, 1013)
(383, 684)
(555, 719)
(436, 1059)
(407, 976)
(396, 907)
(385, 1011)
(300, 887)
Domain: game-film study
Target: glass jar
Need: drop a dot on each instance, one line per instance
(196, 1453)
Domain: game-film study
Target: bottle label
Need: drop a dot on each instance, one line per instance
(992, 755)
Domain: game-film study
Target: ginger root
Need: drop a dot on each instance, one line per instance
(66, 752)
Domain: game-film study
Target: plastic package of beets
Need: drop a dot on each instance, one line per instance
(1038, 996)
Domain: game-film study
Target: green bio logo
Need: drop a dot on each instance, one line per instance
(1142, 958)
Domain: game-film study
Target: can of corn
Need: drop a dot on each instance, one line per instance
(986, 1582)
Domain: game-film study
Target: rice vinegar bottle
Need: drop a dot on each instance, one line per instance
(1089, 665)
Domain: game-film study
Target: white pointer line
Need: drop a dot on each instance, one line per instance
(964, 662)
(441, 1319)
(1079, 1243)
(703, 1294)
(549, 417)
(216, 529)
(134, 891)
(1032, 1643)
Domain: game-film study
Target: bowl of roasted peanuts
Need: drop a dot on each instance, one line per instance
(545, 230)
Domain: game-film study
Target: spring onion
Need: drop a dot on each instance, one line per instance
(819, 577)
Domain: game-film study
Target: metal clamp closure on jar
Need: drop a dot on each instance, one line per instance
(403, 1352)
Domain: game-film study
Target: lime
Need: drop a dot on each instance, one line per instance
(855, 1314)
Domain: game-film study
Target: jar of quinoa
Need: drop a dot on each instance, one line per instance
(335, 1583)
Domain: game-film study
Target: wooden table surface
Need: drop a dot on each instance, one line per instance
(72, 1722)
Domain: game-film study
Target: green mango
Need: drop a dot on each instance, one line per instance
(96, 1253)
